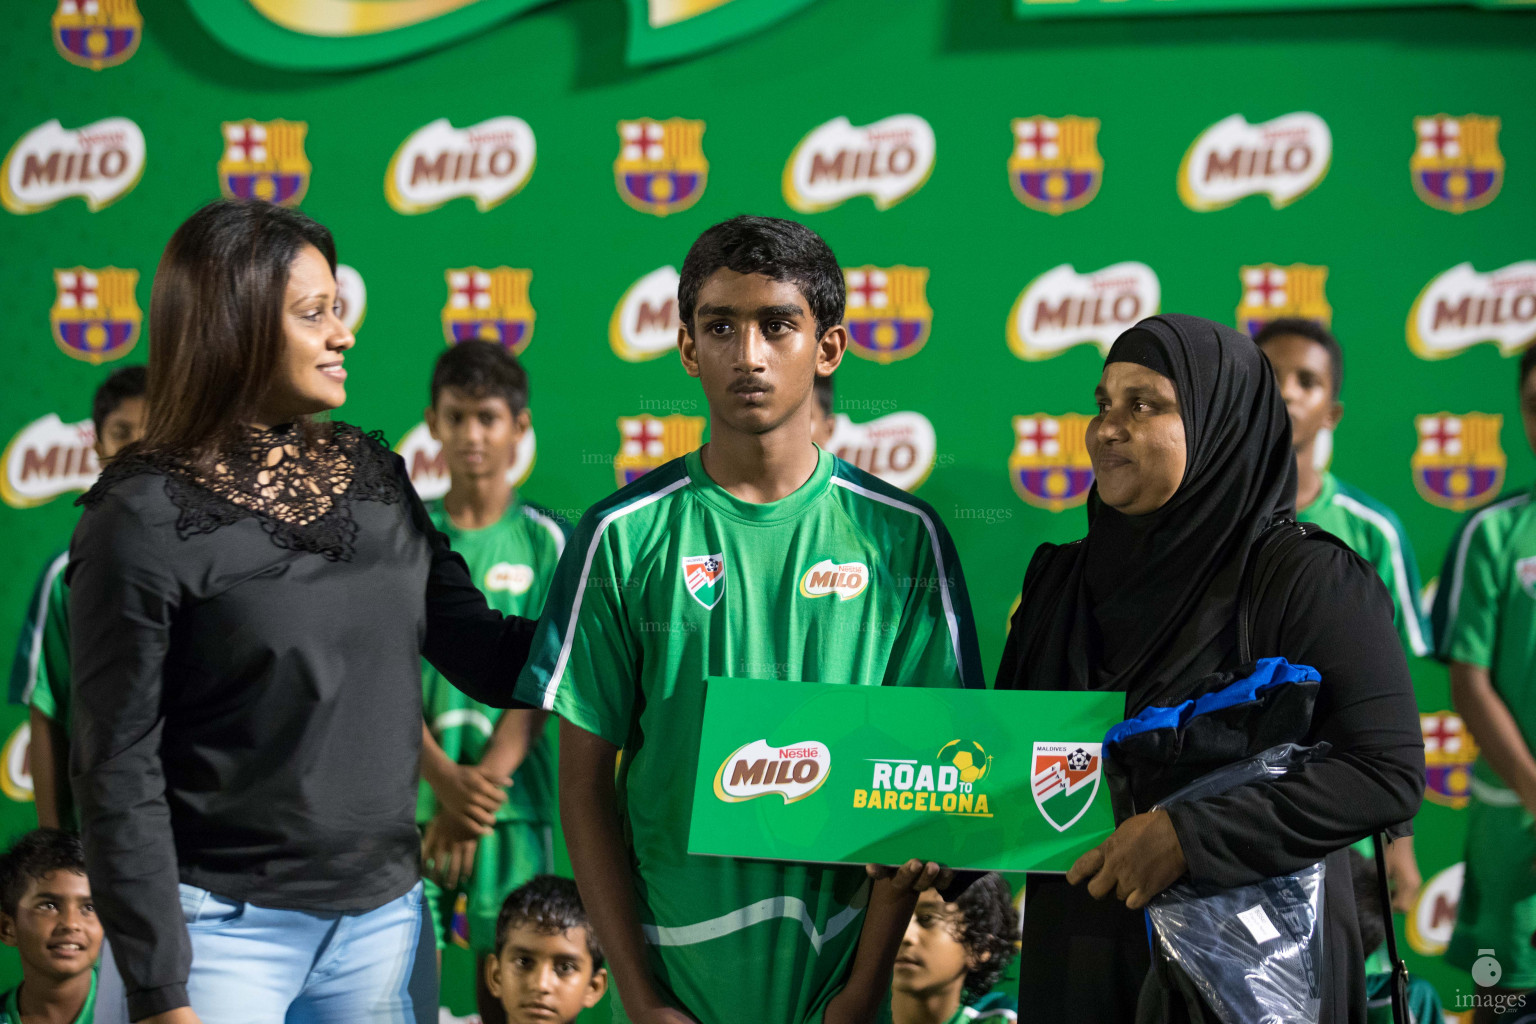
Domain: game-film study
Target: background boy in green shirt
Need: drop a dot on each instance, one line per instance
(757, 556)
(487, 806)
(46, 913)
(1485, 623)
(40, 673)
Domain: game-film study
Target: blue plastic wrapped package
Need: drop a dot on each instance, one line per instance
(1253, 952)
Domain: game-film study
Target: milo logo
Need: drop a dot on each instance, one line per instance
(847, 579)
(793, 772)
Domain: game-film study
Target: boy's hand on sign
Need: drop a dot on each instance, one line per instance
(1140, 859)
(914, 876)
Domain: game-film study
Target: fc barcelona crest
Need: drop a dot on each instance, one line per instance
(264, 160)
(1456, 163)
(647, 441)
(1055, 166)
(1458, 463)
(95, 317)
(888, 316)
(704, 575)
(1065, 779)
(1449, 752)
(661, 167)
(1271, 292)
(1049, 465)
(97, 34)
(491, 305)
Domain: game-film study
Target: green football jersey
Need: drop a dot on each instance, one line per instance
(1374, 533)
(1485, 614)
(847, 580)
(40, 672)
(512, 561)
(10, 1013)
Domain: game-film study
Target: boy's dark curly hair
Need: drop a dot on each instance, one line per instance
(991, 931)
(34, 857)
(550, 905)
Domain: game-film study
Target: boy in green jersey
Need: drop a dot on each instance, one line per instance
(47, 916)
(548, 966)
(1309, 365)
(486, 807)
(756, 556)
(953, 954)
(1485, 625)
(40, 673)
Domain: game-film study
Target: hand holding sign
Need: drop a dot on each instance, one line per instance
(1139, 860)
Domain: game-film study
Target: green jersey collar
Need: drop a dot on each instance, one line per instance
(787, 507)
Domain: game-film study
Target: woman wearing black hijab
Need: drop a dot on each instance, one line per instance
(1192, 457)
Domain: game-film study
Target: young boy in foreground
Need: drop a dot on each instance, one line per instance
(716, 564)
(547, 966)
(953, 954)
(47, 916)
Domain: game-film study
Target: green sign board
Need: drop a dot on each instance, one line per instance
(1133, 8)
(1003, 781)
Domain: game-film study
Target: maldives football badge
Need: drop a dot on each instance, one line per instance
(1525, 572)
(1271, 292)
(490, 305)
(647, 441)
(704, 575)
(661, 167)
(1458, 463)
(1049, 466)
(97, 34)
(264, 160)
(95, 316)
(1456, 164)
(1055, 166)
(1065, 778)
(888, 316)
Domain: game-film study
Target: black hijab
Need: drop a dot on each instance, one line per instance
(1147, 604)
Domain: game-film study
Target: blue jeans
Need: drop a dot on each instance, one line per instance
(254, 965)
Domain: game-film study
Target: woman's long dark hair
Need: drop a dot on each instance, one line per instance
(215, 321)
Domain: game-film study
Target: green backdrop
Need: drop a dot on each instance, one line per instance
(968, 67)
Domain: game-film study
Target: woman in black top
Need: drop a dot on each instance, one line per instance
(1192, 457)
(251, 593)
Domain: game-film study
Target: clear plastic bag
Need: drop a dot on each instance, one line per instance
(1254, 953)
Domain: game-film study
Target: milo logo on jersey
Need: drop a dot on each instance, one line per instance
(264, 160)
(661, 168)
(514, 579)
(1062, 308)
(1049, 465)
(1285, 158)
(647, 441)
(100, 162)
(1271, 292)
(1449, 752)
(946, 786)
(1458, 464)
(845, 579)
(1462, 307)
(899, 448)
(97, 34)
(428, 466)
(1456, 165)
(704, 576)
(1055, 166)
(490, 305)
(644, 324)
(47, 458)
(95, 316)
(1525, 572)
(887, 161)
(887, 315)
(793, 771)
(1064, 778)
(488, 162)
(352, 296)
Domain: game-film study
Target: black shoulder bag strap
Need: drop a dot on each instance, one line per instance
(1278, 538)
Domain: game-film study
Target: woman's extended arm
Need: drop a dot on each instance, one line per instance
(122, 599)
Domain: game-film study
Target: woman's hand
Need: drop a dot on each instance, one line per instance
(447, 857)
(468, 793)
(1139, 860)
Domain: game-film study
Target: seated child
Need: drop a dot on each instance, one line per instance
(47, 915)
(547, 967)
(952, 955)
